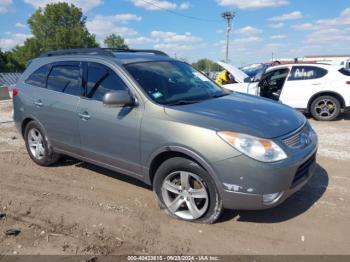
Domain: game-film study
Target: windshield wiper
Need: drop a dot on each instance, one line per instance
(184, 102)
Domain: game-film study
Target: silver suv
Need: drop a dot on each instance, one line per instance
(146, 115)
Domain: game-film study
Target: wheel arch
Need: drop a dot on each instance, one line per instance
(326, 93)
(25, 123)
(167, 152)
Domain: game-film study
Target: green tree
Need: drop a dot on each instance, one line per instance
(8, 63)
(115, 41)
(206, 65)
(57, 26)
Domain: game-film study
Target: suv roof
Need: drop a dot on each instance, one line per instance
(325, 66)
(100, 51)
(123, 56)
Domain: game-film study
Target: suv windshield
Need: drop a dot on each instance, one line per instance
(173, 82)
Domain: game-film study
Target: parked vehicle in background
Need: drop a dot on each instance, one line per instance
(255, 71)
(242, 82)
(345, 64)
(146, 115)
(321, 90)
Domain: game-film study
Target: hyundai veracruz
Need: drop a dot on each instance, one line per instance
(146, 115)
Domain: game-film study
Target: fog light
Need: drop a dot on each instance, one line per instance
(271, 198)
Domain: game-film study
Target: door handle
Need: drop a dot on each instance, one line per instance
(317, 84)
(84, 116)
(38, 103)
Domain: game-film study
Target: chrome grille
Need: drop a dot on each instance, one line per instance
(295, 140)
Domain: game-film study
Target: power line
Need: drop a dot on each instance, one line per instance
(181, 14)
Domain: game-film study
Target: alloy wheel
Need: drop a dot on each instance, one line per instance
(36, 144)
(185, 195)
(325, 108)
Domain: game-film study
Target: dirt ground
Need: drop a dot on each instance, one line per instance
(78, 208)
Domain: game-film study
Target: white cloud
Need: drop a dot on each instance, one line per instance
(120, 18)
(248, 40)
(154, 5)
(15, 39)
(184, 6)
(326, 35)
(139, 41)
(277, 25)
(329, 36)
(290, 16)
(4, 6)
(305, 26)
(248, 30)
(274, 47)
(278, 37)
(174, 42)
(85, 5)
(253, 4)
(102, 26)
(172, 37)
(170, 47)
(342, 19)
(327, 31)
(20, 25)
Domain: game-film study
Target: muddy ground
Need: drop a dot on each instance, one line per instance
(78, 208)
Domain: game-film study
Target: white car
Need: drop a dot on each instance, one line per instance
(322, 90)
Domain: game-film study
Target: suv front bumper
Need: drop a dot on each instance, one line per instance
(251, 185)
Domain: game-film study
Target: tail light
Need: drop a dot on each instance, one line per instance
(15, 92)
(348, 82)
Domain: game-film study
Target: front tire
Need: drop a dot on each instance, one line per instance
(325, 108)
(186, 191)
(37, 145)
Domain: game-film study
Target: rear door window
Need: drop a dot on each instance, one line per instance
(101, 80)
(65, 78)
(38, 78)
(306, 73)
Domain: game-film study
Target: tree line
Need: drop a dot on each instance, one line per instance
(61, 26)
(57, 26)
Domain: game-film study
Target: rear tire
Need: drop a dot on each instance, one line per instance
(37, 145)
(186, 191)
(325, 108)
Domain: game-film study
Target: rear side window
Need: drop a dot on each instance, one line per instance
(345, 71)
(38, 78)
(307, 73)
(65, 79)
(101, 80)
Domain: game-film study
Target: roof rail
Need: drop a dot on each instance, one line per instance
(99, 51)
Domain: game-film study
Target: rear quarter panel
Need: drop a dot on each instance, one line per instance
(337, 83)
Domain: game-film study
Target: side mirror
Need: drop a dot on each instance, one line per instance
(118, 98)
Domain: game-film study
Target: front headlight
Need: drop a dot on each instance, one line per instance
(263, 150)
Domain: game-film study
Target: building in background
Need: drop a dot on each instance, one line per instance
(328, 59)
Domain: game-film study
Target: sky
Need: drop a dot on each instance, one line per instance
(194, 29)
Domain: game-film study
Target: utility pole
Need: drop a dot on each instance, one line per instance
(228, 16)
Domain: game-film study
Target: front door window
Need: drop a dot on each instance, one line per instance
(272, 83)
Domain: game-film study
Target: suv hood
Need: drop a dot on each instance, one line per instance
(240, 113)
